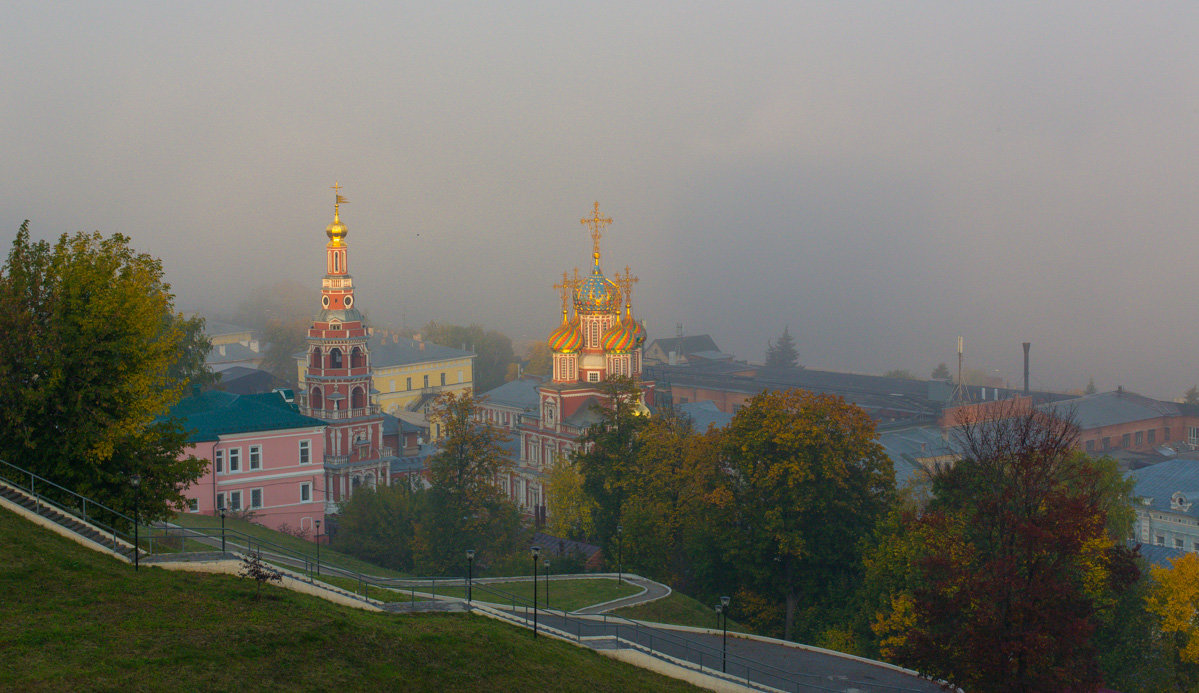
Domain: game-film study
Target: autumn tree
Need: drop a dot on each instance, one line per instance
(493, 350)
(92, 357)
(541, 359)
(569, 507)
(465, 507)
(1174, 600)
(782, 354)
(807, 481)
(1014, 561)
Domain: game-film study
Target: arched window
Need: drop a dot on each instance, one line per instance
(335, 358)
(314, 360)
(357, 358)
(336, 262)
(315, 400)
(357, 399)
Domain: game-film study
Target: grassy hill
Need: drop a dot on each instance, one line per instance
(77, 619)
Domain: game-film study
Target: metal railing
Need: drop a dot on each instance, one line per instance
(107, 521)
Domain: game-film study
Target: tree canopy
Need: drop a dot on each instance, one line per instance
(1014, 561)
(493, 350)
(941, 372)
(92, 357)
(783, 353)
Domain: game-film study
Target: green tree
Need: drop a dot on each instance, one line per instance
(941, 372)
(92, 356)
(493, 350)
(783, 353)
(606, 453)
(377, 525)
(807, 481)
(464, 508)
(1191, 396)
(1014, 562)
(541, 359)
(899, 373)
(1091, 389)
(569, 507)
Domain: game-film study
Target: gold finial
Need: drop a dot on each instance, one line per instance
(626, 282)
(565, 287)
(597, 224)
(337, 230)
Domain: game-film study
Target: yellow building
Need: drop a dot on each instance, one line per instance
(410, 373)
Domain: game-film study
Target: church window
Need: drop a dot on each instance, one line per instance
(315, 361)
(335, 358)
(305, 452)
(336, 262)
(357, 399)
(357, 358)
(593, 377)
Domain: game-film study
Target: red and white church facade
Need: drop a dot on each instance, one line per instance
(599, 340)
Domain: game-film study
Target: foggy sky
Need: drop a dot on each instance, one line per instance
(881, 177)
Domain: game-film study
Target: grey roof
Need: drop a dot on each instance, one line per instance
(585, 415)
(1160, 555)
(216, 328)
(907, 446)
(1158, 483)
(520, 393)
(400, 351)
(711, 355)
(233, 352)
(704, 414)
(685, 345)
(1111, 408)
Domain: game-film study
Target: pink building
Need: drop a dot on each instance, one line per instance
(265, 458)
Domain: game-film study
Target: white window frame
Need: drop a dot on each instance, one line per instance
(220, 501)
(593, 377)
(305, 451)
(306, 492)
(255, 458)
(235, 501)
(234, 460)
(218, 461)
(193, 505)
(260, 504)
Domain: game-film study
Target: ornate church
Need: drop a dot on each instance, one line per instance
(599, 340)
(335, 379)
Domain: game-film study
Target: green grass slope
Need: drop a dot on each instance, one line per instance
(75, 619)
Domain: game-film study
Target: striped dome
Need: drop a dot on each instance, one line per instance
(567, 338)
(638, 331)
(621, 337)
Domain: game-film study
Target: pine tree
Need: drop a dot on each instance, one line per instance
(782, 354)
(941, 372)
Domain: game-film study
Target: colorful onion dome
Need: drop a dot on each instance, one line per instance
(639, 333)
(567, 338)
(597, 294)
(621, 337)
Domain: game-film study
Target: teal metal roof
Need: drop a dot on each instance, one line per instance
(209, 415)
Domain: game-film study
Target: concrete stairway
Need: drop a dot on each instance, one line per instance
(66, 520)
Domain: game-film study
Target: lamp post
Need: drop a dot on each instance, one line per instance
(546, 565)
(724, 638)
(318, 546)
(136, 482)
(222, 530)
(619, 548)
(536, 553)
(470, 569)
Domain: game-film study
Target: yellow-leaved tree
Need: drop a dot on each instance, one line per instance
(1174, 598)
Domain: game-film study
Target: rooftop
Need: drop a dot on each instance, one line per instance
(520, 393)
(1111, 408)
(209, 415)
(393, 350)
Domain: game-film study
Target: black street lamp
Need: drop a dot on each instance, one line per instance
(723, 609)
(318, 547)
(619, 548)
(536, 553)
(470, 569)
(546, 565)
(222, 530)
(136, 482)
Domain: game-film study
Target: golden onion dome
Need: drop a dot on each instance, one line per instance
(567, 338)
(336, 231)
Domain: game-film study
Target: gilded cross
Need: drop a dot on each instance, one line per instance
(565, 288)
(597, 224)
(626, 282)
